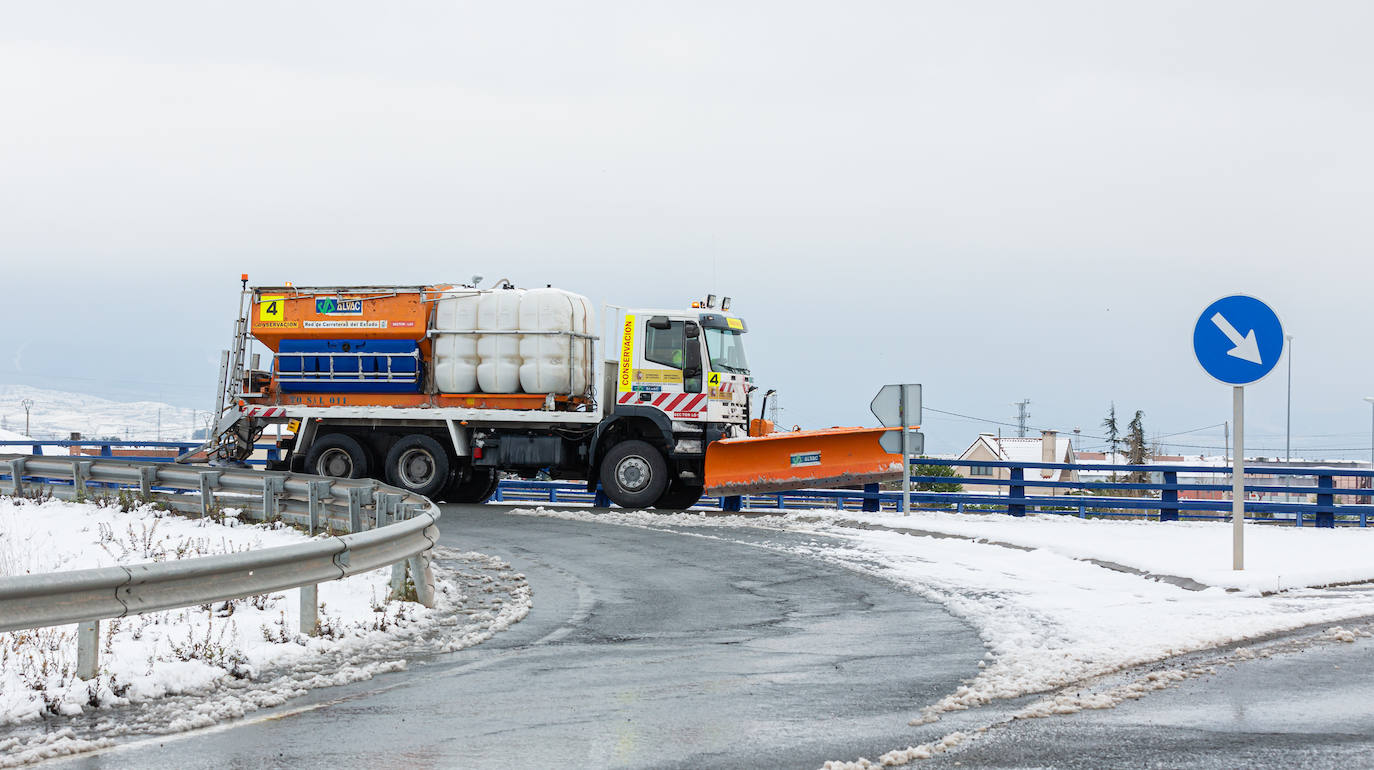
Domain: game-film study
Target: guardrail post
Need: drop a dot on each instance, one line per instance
(17, 476)
(81, 471)
(1326, 514)
(147, 477)
(423, 574)
(355, 509)
(398, 581)
(870, 497)
(318, 491)
(731, 504)
(1169, 496)
(209, 481)
(600, 501)
(310, 610)
(1017, 491)
(106, 451)
(553, 494)
(1082, 511)
(271, 489)
(88, 649)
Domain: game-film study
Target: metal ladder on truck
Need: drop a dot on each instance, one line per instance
(224, 443)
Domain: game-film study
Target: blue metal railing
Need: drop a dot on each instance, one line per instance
(107, 448)
(1161, 500)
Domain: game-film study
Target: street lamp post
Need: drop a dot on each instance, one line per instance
(26, 403)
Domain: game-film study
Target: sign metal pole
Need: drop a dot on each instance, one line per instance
(906, 463)
(1238, 482)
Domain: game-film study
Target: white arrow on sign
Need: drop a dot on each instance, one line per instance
(1246, 348)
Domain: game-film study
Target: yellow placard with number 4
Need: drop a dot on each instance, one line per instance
(714, 381)
(271, 308)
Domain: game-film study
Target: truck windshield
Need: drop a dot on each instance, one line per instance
(726, 349)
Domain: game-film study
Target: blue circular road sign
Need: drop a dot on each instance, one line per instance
(1238, 339)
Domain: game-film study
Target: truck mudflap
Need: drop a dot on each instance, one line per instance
(834, 457)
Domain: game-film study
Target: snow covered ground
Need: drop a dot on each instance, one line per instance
(180, 669)
(1052, 618)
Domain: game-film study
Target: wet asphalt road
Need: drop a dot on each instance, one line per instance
(1311, 709)
(643, 649)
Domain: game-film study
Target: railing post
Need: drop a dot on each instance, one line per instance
(553, 494)
(1326, 513)
(17, 476)
(398, 581)
(870, 497)
(355, 509)
(1082, 511)
(271, 488)
(1017, 491)
(105, 451)
(147, 477)
(310, 610)
(1169, 496)
(423, 575)
(601, 500)
(318, 490)
(81, 471)
(779, 498)
(209, 480)
(731, 504)
(88, 649)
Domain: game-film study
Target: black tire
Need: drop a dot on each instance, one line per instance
(338, 455)
(679, 497)
(478, 487)
(634, 474)
(419, 464)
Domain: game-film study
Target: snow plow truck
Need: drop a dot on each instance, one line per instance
(441, 389)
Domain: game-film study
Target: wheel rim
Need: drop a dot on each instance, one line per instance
(415, 468)
(633, 473)
(335, 462)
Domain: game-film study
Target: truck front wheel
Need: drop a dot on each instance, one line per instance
(419, 464)
(634, 474)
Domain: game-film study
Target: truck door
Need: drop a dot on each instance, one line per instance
(666, 371)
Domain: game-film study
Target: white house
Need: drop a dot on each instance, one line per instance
(1050, 447)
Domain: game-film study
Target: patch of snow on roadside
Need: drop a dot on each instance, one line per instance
(182, 669)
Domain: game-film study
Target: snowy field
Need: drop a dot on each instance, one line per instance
(1051, 618)
(55, 414)
(170, 671)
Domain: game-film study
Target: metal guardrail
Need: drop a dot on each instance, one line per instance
(381, 526)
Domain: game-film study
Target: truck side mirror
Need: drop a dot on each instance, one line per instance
(659, 322)
(693, 331)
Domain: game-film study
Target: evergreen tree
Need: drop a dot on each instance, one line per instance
(935, 486)
(1113, 436)
(1137, 451)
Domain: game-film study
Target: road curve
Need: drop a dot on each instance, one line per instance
(643, 649)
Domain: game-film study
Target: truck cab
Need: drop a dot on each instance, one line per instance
(680, 381)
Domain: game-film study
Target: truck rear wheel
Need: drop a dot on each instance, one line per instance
(679, 496)
(338, 455)
(634, 474)
(477, 488)
(419, 464)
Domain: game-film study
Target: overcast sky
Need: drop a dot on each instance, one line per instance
(997, 200)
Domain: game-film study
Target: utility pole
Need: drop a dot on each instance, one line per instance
(1021, 416)
(26, 403)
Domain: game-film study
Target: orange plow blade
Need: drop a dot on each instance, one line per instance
(778, 462)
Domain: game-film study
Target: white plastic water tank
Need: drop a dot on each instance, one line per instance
(455, 355)
(498, 368)
(554, 363)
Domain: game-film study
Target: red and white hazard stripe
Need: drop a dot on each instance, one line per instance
(264, 411)
(670, 402)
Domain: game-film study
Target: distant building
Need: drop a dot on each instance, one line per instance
(1049, 448)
